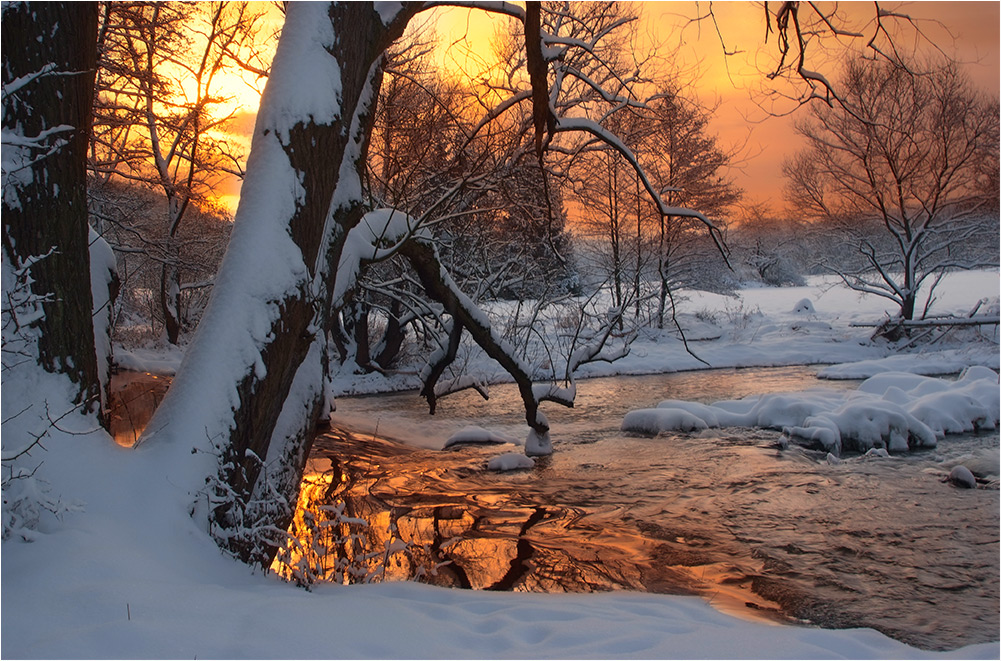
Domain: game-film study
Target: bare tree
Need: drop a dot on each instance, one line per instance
(158, 120)
(903, 152)
(687, 165)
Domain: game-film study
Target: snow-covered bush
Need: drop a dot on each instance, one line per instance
(33, 404)
(510, 461)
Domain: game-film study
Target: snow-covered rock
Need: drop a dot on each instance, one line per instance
(475, 434)
(539, 444)
(804, 306)
(862, 425)
(893, 412)
(510, 461)
(961, 477)
(653, 421)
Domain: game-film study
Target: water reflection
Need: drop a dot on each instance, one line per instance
(134, 397)
(723, 513)
(440, 518)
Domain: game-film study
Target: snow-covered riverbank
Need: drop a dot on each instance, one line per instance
(124, 572)
(767, 327)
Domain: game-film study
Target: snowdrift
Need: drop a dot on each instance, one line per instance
(896, 411)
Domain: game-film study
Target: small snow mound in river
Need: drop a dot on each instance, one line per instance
(474, 434)
(510, 461)
(961, 477)
(862, 425)
(892, 411)
(805, 306)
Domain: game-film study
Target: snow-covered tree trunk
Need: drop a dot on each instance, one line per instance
(105, 286)
(250, 390)
(49, 56)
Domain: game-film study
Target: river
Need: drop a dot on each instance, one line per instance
(756, 530)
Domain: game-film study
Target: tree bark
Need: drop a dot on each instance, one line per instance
(45, 210)
(393, 338)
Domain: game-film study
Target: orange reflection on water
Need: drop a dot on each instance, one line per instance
(337, 537)
(374, 510)
(134, 397)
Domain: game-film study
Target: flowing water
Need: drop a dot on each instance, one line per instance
(756, 530)
(134, 398)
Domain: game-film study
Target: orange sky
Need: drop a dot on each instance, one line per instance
(966, 30)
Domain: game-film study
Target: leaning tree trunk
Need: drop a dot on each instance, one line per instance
(393, 338)
(250, 390)
(45, 183)
(170, 302)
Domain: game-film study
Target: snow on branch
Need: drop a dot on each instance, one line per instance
(507, 8)
(590, 45)
(23, 81)
(377, 237)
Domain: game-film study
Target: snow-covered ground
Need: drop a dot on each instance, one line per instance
(767, 326)
(124, 572)
(760, 327)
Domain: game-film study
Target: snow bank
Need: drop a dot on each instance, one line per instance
(164, 360)
(948, 361)
(896, 411)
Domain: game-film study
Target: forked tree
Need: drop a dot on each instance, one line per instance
(897, 168)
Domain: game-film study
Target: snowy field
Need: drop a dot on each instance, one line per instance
(760, 327)
(124, 572)
(764, 327)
